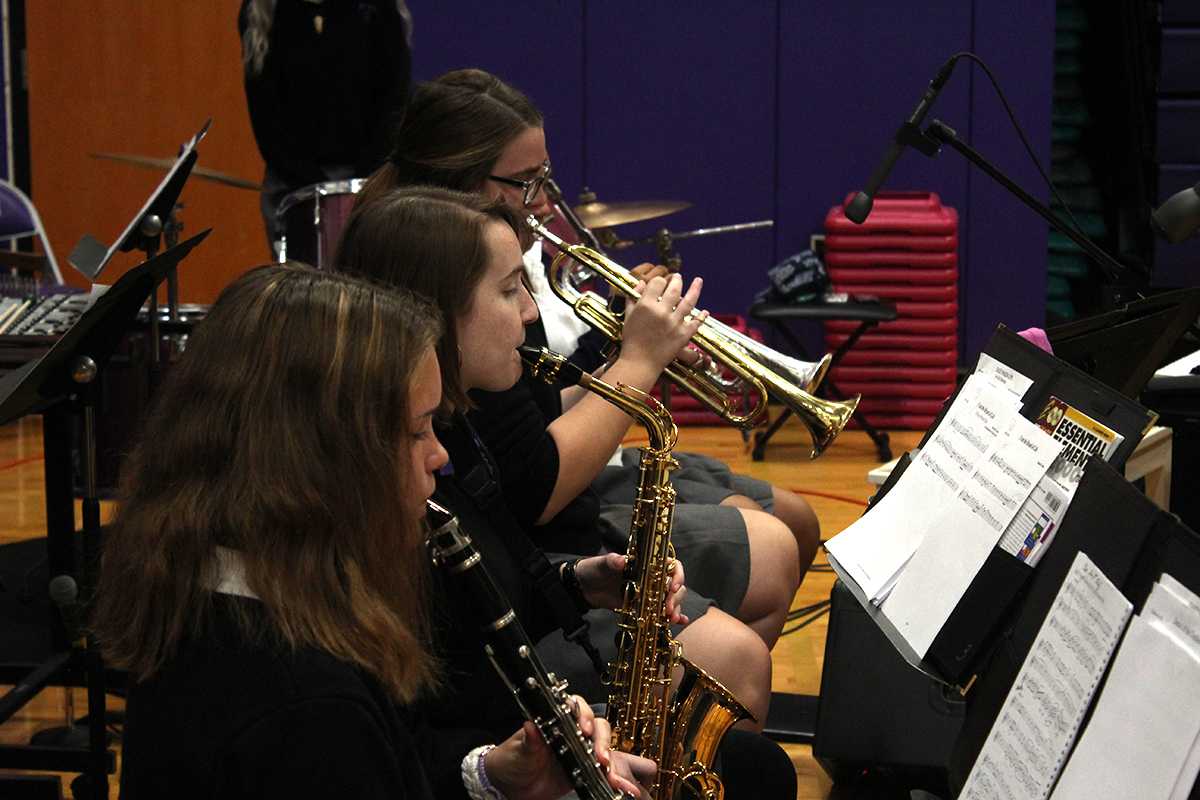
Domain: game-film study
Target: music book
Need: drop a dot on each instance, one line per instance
(1142, 738)
(1030, 739)
(1131, 540)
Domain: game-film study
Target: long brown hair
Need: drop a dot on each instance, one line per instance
(429, 241)
(280, 435)
(455, 128)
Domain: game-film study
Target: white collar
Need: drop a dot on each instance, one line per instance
(231, 573)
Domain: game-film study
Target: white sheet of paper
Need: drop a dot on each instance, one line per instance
(1179, 590)
(1183, 366)
(966, 434)
(878, 544)
(1003, 375)
(1145, 723)
(1179, 609)
(1181, 618)
(960, 535)
(1027, 744)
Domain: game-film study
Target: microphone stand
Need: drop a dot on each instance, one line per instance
(939, 133)
(1123, 291)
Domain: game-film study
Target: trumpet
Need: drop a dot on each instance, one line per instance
(764, 371)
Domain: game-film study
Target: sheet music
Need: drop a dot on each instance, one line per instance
(962, 533)
(1003, 376)
(1178, 608)
(1025, 749)
(1155, 681)
(878, 545)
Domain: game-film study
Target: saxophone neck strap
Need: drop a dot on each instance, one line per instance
(482, 483)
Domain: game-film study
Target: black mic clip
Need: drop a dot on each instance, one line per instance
(910, 135)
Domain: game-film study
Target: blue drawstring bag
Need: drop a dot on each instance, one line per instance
(800, 278)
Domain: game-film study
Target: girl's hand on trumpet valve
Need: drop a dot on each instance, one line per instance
(657, 326)
(644, 272)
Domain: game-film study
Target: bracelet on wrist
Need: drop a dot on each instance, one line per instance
(475, 778)
(570, 581)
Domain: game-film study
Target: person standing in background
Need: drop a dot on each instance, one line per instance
(326, 81)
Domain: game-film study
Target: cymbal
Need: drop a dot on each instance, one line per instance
(165, 164)
(606, 215)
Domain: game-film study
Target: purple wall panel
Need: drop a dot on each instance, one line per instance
(682, 106)
(775, 108)
(849, 75)
(1004, 279)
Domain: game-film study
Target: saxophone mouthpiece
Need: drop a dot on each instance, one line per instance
(552, 367)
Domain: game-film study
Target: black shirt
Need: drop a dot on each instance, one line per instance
(230, 718)
(513, 426)
(329, 92)
(472, 695)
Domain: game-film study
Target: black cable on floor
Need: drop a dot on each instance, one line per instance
(815, 615)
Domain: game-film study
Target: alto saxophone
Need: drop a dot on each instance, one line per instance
(541, 696)
(680, 731)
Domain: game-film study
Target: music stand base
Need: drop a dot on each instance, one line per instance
(31, 787)
(67, 736)
(792, 718)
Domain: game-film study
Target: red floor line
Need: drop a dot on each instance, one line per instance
(852, 500)
(19, 462)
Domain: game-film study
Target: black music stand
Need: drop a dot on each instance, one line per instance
(61, 384)
(155, 220)
(868, 313)
(1124, 347)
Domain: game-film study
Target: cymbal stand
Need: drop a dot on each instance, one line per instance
(664, 240)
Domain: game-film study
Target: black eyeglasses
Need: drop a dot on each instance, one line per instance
(529, 188)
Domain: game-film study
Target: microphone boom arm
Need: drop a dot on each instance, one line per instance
(939, 133)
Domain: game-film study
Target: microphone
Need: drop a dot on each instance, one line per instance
(908, 133)
(1179, 217)
(64, 593)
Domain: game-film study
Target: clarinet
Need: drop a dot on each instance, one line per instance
(541, 696)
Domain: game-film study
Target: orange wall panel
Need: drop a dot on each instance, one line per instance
(141, 77)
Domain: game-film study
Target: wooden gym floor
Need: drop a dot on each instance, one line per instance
(834, 484)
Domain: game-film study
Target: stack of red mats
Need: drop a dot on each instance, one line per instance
(906, 252)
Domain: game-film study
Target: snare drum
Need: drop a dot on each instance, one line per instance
(312, 219)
